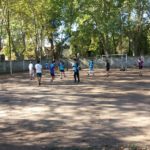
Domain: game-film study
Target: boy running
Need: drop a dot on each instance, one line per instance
(52, 70)
(38, 68)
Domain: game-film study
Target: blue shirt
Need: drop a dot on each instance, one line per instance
(52, 68)
(91, 64)
(46, 65)
(75, 67)
(61, 66)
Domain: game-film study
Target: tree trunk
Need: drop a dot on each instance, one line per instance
(101, 44)
(52, 45)
(1, 45)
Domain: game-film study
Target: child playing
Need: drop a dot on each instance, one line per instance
(107, 67)
(52, 70)
(140, 64)
(91, 67)
(61, 69)
(31, 70)
(76, 71)
(38, 68)
(46, 66)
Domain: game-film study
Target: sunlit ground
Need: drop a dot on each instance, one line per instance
(97, 112)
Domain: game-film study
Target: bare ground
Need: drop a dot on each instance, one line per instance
(99, 113)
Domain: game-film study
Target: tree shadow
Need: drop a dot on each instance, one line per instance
(93, 114)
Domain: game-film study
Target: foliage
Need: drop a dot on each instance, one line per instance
(101, 26)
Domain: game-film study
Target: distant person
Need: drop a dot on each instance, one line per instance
(76, 69)
(31, 70)
(52, 70)
(91, 67)
(107, 67)
(46, 66)
(38, 68)
(140, 65)
(61, 69)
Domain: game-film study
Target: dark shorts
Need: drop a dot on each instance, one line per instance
(140, 67)
(61, 70)
(39, 74)
(107, 68)
(52, 74)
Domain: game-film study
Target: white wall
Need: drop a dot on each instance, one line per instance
(22, 66)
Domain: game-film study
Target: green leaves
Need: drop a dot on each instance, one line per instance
(97, 25)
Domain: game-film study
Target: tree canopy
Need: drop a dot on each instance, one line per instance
(82, 26)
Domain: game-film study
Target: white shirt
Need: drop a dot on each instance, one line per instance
(38, 68)
(30, 66)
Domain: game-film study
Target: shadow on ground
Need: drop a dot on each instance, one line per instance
(98, 113)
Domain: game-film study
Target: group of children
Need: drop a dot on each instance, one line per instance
(75, 67)
(37, 69)
(91, 67)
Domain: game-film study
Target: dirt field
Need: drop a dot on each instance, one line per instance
(99, 113)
